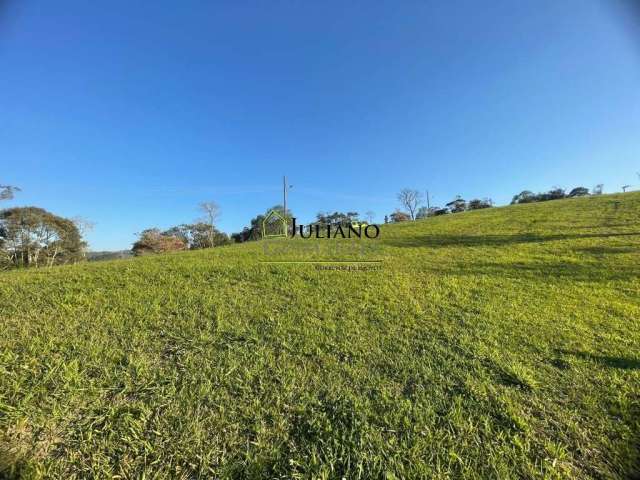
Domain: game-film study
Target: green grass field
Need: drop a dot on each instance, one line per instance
(502, 343)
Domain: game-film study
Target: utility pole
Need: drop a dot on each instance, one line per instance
(428, 205)
(285, 190)
(284, 194)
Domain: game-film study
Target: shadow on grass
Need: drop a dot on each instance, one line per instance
(607, 225)
(624, 363)
(549, 270)
(602, 250)
(441, 241)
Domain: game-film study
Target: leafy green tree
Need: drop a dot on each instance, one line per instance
(257, 225)
(525, 196)
(477, 204)
(337, 218)
(201, 235)
(243, 236)
(457, 205)
(254, 230)
(555, 193)
(33, 237)
(180, 231)
(579, 192)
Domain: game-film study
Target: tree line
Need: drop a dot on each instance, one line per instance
(557, 193)
(260, 222)
(187, 236)
(413, 208)
(33, 237)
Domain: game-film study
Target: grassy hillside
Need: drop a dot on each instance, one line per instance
(498, 343)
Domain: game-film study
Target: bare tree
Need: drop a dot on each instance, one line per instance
(83, 225)
(370, 216)
(7, 192)
(212, 212)
(410, 199)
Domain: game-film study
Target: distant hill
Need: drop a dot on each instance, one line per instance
(97, 256)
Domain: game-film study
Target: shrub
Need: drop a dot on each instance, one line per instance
(154, 241)
(399, 216)
(477, 204)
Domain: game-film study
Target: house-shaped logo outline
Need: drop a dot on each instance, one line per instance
(280, 217)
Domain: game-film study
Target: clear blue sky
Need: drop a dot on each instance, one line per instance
(130, 115)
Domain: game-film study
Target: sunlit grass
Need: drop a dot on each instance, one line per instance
(500, 343)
